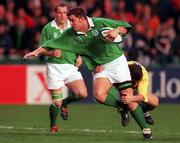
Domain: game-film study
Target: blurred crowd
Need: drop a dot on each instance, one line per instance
(154, 40)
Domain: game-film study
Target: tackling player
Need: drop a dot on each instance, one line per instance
(140, 83)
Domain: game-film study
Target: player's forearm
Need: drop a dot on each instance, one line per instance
(122, 30)
(138, 98)
(40, 50)
(35, 53)
(78, 61)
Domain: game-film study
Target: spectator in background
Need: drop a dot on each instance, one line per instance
(32, 5)
(37, 13)
(138, 12)
(176, 15)
(169, 26)
(10, 18)
(91, 5)
(10, 6)
(21, 36)
(2, 13)
(164, 39)
(34, 42)
(151, 46)
(73, 4)
(10, 13)
(43, 20)
(176, 50)
(21, 14)
(141, 49)
(97, 12)
(163, 45)
(5, 40)
(150, 20)
(121, 13)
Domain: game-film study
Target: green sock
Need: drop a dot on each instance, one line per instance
(53, 113)
(139, 117)
(71, 98)
(112, 98)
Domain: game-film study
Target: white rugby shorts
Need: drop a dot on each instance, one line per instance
(117, 71)
(59, 74)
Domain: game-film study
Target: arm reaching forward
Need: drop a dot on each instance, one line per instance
(35, 53)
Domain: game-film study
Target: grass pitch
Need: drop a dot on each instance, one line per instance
(87, 123)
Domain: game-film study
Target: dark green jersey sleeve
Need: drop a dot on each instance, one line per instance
(90, 64)
(104, 22)
(45, 35)
(68, 41)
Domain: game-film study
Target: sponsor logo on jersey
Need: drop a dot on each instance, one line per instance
(55, 35)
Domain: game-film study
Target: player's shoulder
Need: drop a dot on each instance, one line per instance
(46, 27)
(99, 20)
(69, 32)
(49, 24)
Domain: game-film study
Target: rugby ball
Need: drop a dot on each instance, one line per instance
(103, 35)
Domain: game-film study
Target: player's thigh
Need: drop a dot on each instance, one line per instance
(78, 87)
(55, 76)
(58, 90)
(76, 83)
(117, 71)
(101, 86)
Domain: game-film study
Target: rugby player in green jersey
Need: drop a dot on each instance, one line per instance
(61, 70)
(84, 39)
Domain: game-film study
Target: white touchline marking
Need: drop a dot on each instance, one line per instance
(104, 131)
(79, 130)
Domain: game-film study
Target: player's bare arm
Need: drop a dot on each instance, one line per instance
(112, 34)
(137, 98)
(53, 53)
(98, 69)
(119, 30)
(79, 61)
(35, 53)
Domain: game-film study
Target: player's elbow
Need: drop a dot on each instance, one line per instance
(156, 102)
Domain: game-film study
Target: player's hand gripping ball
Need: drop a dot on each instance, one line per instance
(103, 34)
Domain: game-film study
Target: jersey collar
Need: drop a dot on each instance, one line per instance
(91, 24)
(54, 24)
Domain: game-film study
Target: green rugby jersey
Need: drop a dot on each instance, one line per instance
(90, 44)
(52, 31)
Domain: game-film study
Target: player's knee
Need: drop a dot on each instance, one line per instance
(99, 95)
(57, 103)
(57, 97)
(127, 91)
(132, 106)
(156, 102)
(81, 93)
